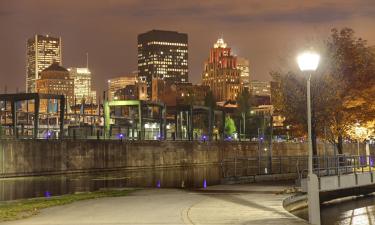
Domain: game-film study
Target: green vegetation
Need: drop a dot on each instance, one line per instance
(25, 208)
(230, 127)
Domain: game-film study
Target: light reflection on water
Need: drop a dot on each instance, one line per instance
(357, 211)
(46, 186)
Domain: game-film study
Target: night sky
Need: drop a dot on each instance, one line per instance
(261, 30)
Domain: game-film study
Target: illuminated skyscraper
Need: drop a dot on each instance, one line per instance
(42, 51)
(221, 73)
(117, 83)
(244, 66)
(82, 85)
(162, 55)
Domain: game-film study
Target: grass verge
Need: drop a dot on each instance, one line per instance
(27, 207)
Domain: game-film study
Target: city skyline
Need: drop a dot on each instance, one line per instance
(250, 27)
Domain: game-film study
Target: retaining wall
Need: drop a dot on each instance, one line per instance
(38, 157)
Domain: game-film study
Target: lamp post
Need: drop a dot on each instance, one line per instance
(308, 62)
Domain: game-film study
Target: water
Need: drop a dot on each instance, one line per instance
(44, 186)
(354, 211)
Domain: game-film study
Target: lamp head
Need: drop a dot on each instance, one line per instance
(308, 61)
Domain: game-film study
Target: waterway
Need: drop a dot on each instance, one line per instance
(348, 211)
(30, 187)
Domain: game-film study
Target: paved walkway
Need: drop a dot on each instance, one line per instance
(222, 204)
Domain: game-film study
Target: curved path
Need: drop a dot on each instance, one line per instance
(222, 204)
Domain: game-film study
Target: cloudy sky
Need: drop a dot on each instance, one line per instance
(261, 30)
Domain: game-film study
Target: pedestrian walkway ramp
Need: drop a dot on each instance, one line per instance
(342, 176)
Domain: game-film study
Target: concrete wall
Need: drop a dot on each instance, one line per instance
(36, 157)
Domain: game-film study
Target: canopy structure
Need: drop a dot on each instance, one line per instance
(140, 104)
(14, 98)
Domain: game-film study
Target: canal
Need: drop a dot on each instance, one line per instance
(30, 187)
(347, 211)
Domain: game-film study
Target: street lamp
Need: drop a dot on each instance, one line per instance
(308, 62)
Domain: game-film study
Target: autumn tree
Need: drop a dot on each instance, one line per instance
(342, 89)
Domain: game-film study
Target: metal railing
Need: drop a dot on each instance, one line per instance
(322, 165)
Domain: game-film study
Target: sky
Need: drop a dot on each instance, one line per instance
(263, 31)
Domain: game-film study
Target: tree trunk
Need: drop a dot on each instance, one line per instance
(339, 145)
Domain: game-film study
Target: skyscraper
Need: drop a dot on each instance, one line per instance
(221, 73)
(162, 55)
(82, 84)
(42, 51)
(117, 83)
(244, 66)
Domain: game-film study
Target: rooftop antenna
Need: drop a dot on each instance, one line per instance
(87, 60)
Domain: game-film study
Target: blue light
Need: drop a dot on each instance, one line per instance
(204, 184)
(121, 136)
(47, 194)
(158, 184)
(204, 138)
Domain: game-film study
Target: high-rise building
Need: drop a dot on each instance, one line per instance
(244, 66)
(221, 73)
(117, 83)
(42, 51)
(260, 88)
(82, 85)
(162, 55)
(55, 79)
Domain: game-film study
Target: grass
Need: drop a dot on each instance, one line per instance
(25, 208)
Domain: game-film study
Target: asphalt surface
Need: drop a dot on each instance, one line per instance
(222, 204)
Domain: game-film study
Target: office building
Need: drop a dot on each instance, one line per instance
(82, 85)
(42, 51)
(260, 88)
(117, 83)
(244, 66)
(162, 55)
(221, 73)
(55, 79)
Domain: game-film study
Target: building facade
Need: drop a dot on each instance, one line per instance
(162, 55)
(82, 85)
(174, 94)
(118, 83)
(260, 88)
(221, 73)
(41, 52)
(55, 79)
(244, 66)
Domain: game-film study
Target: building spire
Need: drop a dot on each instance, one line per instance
(87, 60)
(220, 43)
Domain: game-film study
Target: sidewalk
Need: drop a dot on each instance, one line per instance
(223, 204)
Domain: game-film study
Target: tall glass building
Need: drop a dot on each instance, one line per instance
(41, 52)
(82, 85)
(162, 55)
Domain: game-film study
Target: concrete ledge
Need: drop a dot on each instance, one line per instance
(258, 178)
(295, 202)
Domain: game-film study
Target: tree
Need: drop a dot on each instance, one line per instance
(230, 127)
(342, 89)
(209, 100)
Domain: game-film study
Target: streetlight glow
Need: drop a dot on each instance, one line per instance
(308, 61)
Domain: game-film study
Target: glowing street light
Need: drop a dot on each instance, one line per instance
(308, 62)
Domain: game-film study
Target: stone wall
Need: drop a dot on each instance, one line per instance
(38, 157)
